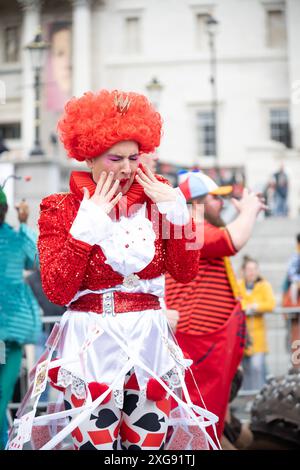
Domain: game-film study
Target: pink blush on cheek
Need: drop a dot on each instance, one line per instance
(108, 163)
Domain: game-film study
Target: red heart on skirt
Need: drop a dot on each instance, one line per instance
(77, 402)
(77, 434)
(129, 434)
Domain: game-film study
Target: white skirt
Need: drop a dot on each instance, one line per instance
(103, 348)
(131, 337)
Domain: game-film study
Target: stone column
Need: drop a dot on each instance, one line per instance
(81, 46)
(31, 23)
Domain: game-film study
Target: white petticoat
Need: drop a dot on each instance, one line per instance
(127, 337)
(93, 347)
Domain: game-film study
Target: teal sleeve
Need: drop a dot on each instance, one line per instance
(29, 239)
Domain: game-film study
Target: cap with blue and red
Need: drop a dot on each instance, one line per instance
(195, 184)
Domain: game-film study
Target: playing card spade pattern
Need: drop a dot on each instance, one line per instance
(132, 428)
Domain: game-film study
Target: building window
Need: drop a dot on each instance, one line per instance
(276, 29)
(206, 133)
(133, 35)
(201, 35)
(11, 130)
(280, 126)
(12, 44)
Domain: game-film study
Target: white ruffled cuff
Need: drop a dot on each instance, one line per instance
(91, 224)
(176, 211)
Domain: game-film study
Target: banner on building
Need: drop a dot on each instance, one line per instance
(59, 65)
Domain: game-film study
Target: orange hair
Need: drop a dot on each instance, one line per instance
(95, 122)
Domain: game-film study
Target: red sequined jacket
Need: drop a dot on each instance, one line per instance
(69, 265)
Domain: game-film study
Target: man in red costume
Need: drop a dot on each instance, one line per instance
(211, 325)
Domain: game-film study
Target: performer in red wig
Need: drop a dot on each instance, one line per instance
(104, 248)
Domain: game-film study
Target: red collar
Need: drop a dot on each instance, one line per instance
(83, 179)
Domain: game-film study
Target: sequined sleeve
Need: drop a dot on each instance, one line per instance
(63, 259)
(182, 252)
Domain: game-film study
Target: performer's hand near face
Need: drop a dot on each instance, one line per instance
(156, 190)
(105, 192)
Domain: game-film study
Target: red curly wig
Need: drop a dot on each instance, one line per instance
(95, 122)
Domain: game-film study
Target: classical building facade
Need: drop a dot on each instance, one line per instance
(234, 102)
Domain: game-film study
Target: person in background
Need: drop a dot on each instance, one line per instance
(20, 322)
(49, 308)
(269, 195)
(294, 274)
(257, 299)
(281, 186)
(291, 294)
(150, 160)
(211, 326)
